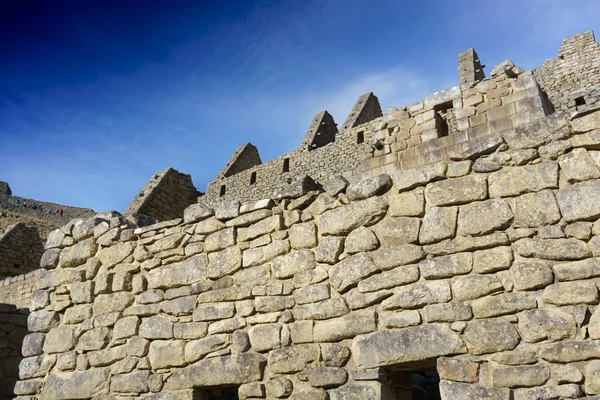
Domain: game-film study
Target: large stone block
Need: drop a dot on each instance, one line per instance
(536, 209)
(230, 370)
(553, 249)
(551, 324)
(76, 385)
(457, 191)
(568, 351)
(580, 201)
(78, 254)
(531, 274)
(348, 272)
(418, 295)
(396, 347)
(224, 262)
(345, 327)
(288, 265)
(502, 304)
(411, 178)
(446, 266)
(397, 231)
(439, 224)
(513, 181)
(490, 336)
(483, 217)
(578, 166)
(463, 391)
(390, 279)
(178, 274)
(362, 391)
(571, 293)
(343, 220)
(293, 358)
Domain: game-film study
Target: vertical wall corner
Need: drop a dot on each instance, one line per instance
(470, 70)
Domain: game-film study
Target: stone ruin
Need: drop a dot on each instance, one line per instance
(450, 253)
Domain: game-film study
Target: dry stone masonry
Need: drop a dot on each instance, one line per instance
(469, 279)
(448, 249)
(20, 250)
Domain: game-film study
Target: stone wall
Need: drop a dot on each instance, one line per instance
(339, 157)
(573, 74)
(20, 250)
(164, 196)
(477, 278)
(443, 124)
(13, 328)
(18, 289)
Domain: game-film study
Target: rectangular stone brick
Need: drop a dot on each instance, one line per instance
(501, 112)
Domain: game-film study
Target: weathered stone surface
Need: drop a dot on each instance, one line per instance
(290, 264)
(439, 224)
(536, 209)
(279, 387)
(214, 311)
(218, 371)
(531, 274)
(474, 286)
(580, 201)
(197, 349)
(59, 340)
(196, 212)
(537, 133)
(549, 392)
(586, 122)
(303, 235)
(396, 231)
(166, 353)
(321, 310)
(334, 354)
(457, 370)
(264, 254)
(326, 377)
(461, 244)
(265, 337)
(484, 217)
(114, 302)
(447, 312)
(389, 258)
(401, 319)
(360, 240)
(409, 344)
(312, 293)
(446, 266)
(571, 293)
(397, 277)
(463, 391)
(457, 191)
(407, 204)
(292, 358)
(502, 304)
(336, 185)
(578, 166)
(156, 327)
(521, 376)
(592, 377)
(111, 256)
(94, 339)
(418, 295)
(179, 274)
(224, 262)
(553, 249)
(568, 351)
(369, 187)
(538, 325)
(78, 254)
(219, 240)
(492, 260)
(490, 336)
(89, 384)
(345, 327)
(411, 178)
(50, 258)
(343, 220)
(329, 249)
(42, 321)
(33, 344)
(361, 390)
(513, 181)
(348, 272)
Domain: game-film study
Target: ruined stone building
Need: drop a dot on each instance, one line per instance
(445, 250)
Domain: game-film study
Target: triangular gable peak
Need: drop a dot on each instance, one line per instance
(245, 157)
(366, 109)
(321, 131)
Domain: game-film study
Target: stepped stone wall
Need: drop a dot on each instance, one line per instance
(477, 277)
(164, 196)
(18, 290)
(20, 250)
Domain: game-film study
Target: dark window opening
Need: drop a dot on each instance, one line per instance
(360, 137)
(253, 178)
(286, 165)
(230, 393)
(579, 102)
(222, 191)
(445, 119)
(421, 385)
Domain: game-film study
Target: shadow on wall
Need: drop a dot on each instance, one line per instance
(13, 329)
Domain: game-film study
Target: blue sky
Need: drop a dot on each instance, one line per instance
(96, 96)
